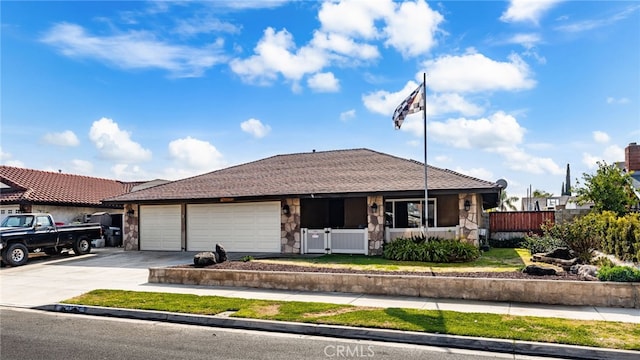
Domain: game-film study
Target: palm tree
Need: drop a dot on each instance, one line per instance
(505, 202)
(541, 194)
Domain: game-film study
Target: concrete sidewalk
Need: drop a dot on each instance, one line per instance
(51, 280)
(44, 282)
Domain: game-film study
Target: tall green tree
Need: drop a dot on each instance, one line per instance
(506, 202)
(609, 189)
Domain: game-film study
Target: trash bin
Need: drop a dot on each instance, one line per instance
(113, 236)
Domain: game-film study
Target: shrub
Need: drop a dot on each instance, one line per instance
(619, 236)
(580, 235)
(619, 274)
(246, 258)
(430, 250)
(541, 244)
(512, 243)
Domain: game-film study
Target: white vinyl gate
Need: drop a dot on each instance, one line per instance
(335, 241)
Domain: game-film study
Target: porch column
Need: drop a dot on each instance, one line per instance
(290, 227)
(470, 220)
(130, 233)
(375, 221)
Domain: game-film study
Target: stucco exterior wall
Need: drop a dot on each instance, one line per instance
(70, 214)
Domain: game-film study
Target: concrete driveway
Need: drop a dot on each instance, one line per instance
(45, 280)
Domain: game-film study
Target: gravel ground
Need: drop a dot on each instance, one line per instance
(260, 266)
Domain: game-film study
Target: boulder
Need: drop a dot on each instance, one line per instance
(222, 253)
(586, 272)
(538, 270)
(205, 258)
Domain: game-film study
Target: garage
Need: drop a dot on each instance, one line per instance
(239, 227)
(160, 227)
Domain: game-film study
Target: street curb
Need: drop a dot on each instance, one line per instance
(346, 332)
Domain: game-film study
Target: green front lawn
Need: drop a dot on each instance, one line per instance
(492, 260)
(564, 331)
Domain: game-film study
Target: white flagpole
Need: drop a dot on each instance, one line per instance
(424, 118)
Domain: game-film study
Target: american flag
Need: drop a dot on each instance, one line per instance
(412, 104)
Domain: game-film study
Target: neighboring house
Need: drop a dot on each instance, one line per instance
(69, 198)
(343, 200)
(632, 166)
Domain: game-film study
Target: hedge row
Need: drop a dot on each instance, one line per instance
(430, 250)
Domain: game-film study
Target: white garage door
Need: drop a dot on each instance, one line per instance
(244, 227)
(160, 227)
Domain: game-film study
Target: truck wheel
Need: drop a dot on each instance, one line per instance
(16, 255)
(82, 246)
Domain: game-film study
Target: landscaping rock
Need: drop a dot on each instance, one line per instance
(562, 257)
(585, 272)
(538, 270)
(205, 258)
(222, 253)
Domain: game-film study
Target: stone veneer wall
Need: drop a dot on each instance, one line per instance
(290, 227)
(376, 224)
(130, 228)
(469, 220)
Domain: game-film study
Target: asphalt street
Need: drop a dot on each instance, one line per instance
(31, 334)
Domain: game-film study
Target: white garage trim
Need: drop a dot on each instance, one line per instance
(239, 227)
(160, 227)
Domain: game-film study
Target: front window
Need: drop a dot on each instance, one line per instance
(408, 213)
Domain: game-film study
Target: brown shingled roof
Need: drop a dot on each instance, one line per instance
(46, 187)
(328, 172)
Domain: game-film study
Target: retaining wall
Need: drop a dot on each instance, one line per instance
(558, 292)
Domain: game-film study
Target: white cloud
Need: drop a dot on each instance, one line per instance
(82, 167)
(343, 45)
(411, 29)
(479, 173)
(443, 159)
(500, 134)
(347, 115)
(6, 159)
(498, 131)
(204, 25)
(477, 73)
(590, 160)
(65, 138)
(612, 100)
(517, 160)
(275, 54)
(128, 172)
(324, 82)
(255, 127)
(527, 40)
(134, 50)
(195, 156)
(115, 144)
(527, 10)
(591, 24)
(451, 103)
(353, 18)
(384, 103)
(601, 137)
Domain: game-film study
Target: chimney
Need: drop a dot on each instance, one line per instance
(632, 157)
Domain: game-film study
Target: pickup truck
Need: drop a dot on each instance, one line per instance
(21, 234)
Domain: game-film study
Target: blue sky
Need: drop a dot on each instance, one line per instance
(144, 90)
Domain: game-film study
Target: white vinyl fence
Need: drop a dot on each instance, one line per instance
(335, 241)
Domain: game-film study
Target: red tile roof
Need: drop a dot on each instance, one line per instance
(328, 172)
(46, 187)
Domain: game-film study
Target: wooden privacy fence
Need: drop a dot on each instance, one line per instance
(519, 221)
